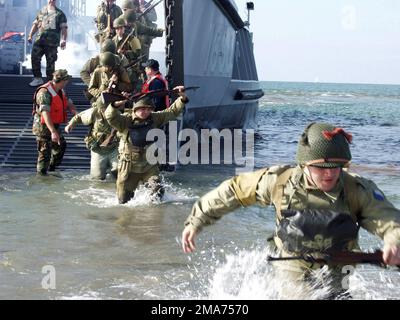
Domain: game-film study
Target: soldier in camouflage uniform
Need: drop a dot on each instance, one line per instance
(107, 9)
(51, 24)
(133, 166)
(104, 156)
(317, 189)
(51, 104)
(128, 47)
(109, 76)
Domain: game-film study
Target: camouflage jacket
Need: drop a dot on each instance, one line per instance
(100, 81)
(50, 24)
(362, 199)
(123, 122)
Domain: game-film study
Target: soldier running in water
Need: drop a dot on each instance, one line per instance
(319, 206)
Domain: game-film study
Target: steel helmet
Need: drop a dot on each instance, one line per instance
(324, 145)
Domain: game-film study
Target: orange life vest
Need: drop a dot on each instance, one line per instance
(146, 86)
(59, 104)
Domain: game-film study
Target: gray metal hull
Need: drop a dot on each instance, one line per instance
(217, 55)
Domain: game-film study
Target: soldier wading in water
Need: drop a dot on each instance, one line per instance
(319, 206)
(133, 166)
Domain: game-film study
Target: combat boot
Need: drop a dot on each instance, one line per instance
(36, 82)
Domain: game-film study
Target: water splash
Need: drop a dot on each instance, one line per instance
(247, 275)
(106, 198)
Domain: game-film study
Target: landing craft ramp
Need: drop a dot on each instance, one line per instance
(17, 143)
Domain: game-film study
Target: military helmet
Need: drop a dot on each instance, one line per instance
(323, 145)
(145, 102)
(107, 59)
(108, 46)
(130, 16)
(119, 22)
(61, 75)
(127, 4)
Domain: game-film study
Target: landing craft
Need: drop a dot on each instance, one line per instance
(207, 45)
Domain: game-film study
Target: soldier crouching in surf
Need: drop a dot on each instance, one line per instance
(319, 206)
(133, 127)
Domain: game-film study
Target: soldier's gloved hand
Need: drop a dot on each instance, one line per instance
(30, 39)
(63, 45)
(160, 32)
(391, 255)
(188, 235)
(55, 137)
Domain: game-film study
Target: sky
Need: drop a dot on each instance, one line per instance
(344, 41)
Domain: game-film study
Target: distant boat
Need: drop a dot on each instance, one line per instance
(209, 45)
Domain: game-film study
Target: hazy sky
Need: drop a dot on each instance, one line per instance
(327, 41)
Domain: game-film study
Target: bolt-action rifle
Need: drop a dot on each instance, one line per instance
(338, 258)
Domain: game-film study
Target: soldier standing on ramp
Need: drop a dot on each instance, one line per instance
(51, 24)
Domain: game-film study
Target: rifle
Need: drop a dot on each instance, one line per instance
(110, 138)
(148, 9)
(109, 21)
(338, 258)
(113, 97)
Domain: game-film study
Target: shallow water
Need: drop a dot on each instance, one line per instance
(102, 250)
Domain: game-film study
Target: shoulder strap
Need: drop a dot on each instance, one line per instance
(350, 186)
(277, 192)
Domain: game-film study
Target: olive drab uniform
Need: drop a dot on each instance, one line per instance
(91, 65)
(103, 158)
(288, 188)
(133, 166)
(147, 39)
(131, 51)
(100, 81)
(142, 30)
(102, 19)
(50, 154)
(47, 40)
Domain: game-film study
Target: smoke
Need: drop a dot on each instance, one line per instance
(72, 58)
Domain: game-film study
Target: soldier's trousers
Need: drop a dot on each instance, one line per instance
(50, 154)
(302, 284)
(101, 162)
(38, 51)
(128, 181)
